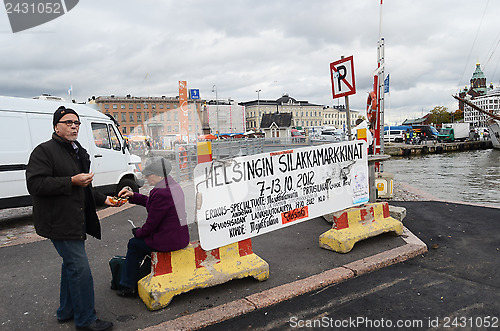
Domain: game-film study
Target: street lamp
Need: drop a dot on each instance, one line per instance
(258, 106)
(214, 89)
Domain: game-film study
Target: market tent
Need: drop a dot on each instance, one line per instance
(207, 137)
(138, 138)
(253, 134)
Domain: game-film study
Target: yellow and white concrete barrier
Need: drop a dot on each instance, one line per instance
(192, 267)
(358, 223)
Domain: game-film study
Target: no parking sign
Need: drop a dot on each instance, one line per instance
(342, 74)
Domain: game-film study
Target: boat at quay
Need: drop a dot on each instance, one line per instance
(493, 123)
(494, 127)
(434, 147)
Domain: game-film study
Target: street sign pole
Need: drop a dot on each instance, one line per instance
(195, 95)
(348, 114)
(195, 115)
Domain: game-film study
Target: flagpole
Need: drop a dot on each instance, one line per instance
(381, 87)
(380, 24)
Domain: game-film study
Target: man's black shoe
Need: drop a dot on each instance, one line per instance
(127, 292)
(97, 325)
(64, 320)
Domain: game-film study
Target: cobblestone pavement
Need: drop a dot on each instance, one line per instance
(16, 226)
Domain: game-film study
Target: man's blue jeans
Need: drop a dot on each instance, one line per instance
(137, 249)
(77, 285)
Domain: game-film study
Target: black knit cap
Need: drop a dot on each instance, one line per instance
(60, 112)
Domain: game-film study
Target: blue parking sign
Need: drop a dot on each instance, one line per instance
(195, 94)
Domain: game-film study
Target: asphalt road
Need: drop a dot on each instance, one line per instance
(30, 274)
(455, 286)
(457, 281)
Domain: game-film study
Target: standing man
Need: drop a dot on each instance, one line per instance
(64, 210)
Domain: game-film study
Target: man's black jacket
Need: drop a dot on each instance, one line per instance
(62, 211)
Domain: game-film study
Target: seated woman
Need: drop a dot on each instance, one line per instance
(166, 227)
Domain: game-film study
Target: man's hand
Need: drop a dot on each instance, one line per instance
(82, 179)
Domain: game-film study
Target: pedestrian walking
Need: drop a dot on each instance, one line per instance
(64, 211)
(148, 147)
(370, 133)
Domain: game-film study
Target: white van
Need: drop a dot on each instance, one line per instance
(25, 123)
(329, 135)
(396, 135)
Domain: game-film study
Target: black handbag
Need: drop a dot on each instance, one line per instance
(116, 264)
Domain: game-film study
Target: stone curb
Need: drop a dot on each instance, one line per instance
(414, 246)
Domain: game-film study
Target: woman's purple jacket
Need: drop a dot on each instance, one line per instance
(166, 227)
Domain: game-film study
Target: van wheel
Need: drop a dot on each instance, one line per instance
(129, 184)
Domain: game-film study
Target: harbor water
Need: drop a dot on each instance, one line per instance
(469, 176)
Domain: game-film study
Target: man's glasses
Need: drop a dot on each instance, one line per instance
(69, 122)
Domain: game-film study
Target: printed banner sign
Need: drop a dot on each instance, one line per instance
(248, 196)
(183, 114)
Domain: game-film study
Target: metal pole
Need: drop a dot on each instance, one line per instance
(371, 182)
(214, 88)
(382, 93)
(217, 110)
(380, 22)
(195, 116)
(348, 114)
(258, 105)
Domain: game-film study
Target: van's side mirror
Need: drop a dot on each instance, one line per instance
(125, 146)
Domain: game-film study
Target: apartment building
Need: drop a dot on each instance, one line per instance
(154, 117)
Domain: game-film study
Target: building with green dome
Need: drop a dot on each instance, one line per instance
(486, 97)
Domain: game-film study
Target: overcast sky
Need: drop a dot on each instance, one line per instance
(145, 47)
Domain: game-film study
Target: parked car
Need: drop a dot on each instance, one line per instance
(297, 136)
(329, 136)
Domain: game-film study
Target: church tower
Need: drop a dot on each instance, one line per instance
(478, 81)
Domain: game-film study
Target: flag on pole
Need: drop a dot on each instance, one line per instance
(70, 89)
(386, 84)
